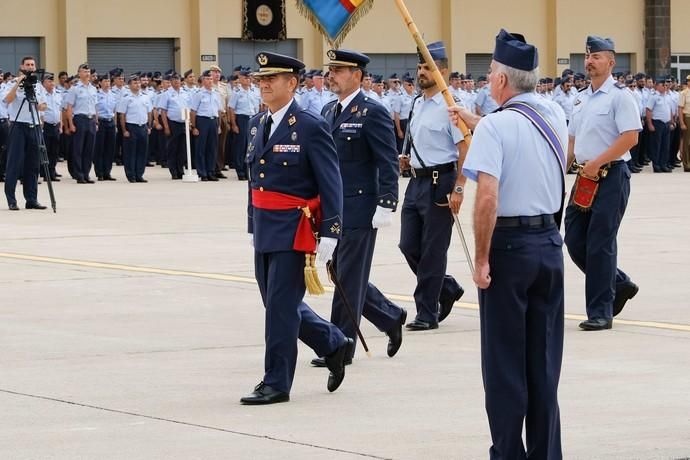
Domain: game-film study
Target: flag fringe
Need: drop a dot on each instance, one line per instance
(335, 42)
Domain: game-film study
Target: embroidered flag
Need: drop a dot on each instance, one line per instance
(334, 18)
(264, 20)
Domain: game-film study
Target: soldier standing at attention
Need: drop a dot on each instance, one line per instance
(295, 189)
(135, 121)
(603, 128)
(437, 153)
(205, 106)
(82, 123)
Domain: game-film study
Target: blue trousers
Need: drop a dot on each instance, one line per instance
(521, 318)
(280, 276)
(591, 241)
(352, 263)
(177, 148)
(659, 145)
(83, 142)
(425, 233)
(134, 155)
(22, 162)
(206, 146)
(239, 146)
(4, 133)
(104, 152)
(51, 137)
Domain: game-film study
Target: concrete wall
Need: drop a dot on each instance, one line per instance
(555, 26)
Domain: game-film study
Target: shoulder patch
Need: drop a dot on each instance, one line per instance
(456, 99)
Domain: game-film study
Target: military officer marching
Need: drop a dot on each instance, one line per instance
(295, 191)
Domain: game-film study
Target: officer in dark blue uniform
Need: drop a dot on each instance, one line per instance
(519, 256)
(437, 150)
(365, 141)
(604, 126)
(295, 189)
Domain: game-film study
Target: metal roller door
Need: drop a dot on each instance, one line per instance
(233, 52)
(477, 65)
(13, 49)
(131, 54)
(388, 64)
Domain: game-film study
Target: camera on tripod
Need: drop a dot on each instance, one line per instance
(31, 78)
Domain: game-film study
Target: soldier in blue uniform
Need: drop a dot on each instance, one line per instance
(52, 124)
(136, 118)
(206, 111)
(242, 105)
(364, 138)
(293, 169)
(519, 257)
(104, 152)
(401, 110)
(82, 123)
(603, 128)
(437, 153)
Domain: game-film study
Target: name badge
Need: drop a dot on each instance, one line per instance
(350, 126)
(286, 148)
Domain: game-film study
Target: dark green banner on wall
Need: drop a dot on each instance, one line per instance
(264, 20)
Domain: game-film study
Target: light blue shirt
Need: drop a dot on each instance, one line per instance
(388, 100)
(205, 103)
(402, 105)
(25, 114)
(106, 103)
(82, 98)
(507, 146)
(565, 100)
(244, 102)
(485, 102)
(600, 117)
(53, 112)
(173, 102)
(435, 137)
(4, 112)
(314, 100)
(135, 107)
(660, 105)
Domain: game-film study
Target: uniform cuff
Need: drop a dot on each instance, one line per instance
(331, 228)
(388, 201)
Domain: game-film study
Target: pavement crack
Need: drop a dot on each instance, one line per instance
(194, 425)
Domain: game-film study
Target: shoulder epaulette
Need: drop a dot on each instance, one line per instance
(619, 85)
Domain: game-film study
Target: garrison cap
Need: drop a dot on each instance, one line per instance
(595, 44)
(579, 76)
(640, 76)
(437, 51)
(377, 78)
(513, 51)
(407, 78)
(317, 73)
(206, 73)
(188, 73)
(48, 76)
(105, 76)
(468, 77)
(481, 78)
(157, 75)
(274, 64)
(234, 77)
(346, 58)
(394, 77)
(134, 76)
(245, 72)
(454, 75)
(567, 72)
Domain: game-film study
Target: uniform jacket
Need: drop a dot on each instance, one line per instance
(368, 157)
(300, 160)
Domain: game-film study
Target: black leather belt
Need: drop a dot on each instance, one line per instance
(52, 124)
(105, 120)
(137, 124)
(545, 220)
(208, 118)
(82, 115)
(438, 169)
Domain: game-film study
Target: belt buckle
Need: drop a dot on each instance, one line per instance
(434, 177)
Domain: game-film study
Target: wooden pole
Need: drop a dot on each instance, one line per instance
(438, 78)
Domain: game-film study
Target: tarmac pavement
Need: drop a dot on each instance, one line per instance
(130, 326)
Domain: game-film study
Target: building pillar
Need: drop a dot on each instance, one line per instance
(658, 37)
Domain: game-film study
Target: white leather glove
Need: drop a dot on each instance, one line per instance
(383, 217)
(251, 240)
(324, 252)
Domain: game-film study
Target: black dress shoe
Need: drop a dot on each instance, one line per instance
(596, 324)
(81, 181)
(395, 335)
(88, 180)
(54, 179)
(13, 207)
(220, 175)
(212, 178)
(100, 178)
(132, 181)
(241, 178)
(35, 205)
(109, 178)
(624, 293)
(204, 179)
(264, 394)
(336, 364)
(149, 164)
(667, 170)
(141, 179)
(321, 362)
(418, 325)
(447, 305)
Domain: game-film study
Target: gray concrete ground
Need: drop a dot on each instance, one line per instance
(146, 355)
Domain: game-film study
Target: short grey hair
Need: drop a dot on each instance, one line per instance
(522, 81)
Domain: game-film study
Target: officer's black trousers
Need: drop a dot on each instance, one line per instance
(22, 162)
(177, 148)
(51, 137)
(206, 146)
(104, 152)
(4, 133)
(239, 146)
(83, 142)
(659, 144)
(521, 317)
(135, 151)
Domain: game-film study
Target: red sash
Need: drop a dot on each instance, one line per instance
(305, 239)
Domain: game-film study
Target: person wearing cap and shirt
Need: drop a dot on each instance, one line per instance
(104, 151)
(221, 90)
(316, 97)
(171, 104)
(377, 88)
(135, 111)
(363, 136)
(684, 122)
(293, 170)
(437, 152)
(675, 134)
(565, 97)
(659, 117)
(242, 105)
(22, 148)
(367, 86)
(189, 85)
(4, 128)
(205, 106)
(52, 124)
(118, 89)
(518, 253)
(484, 104)
(603, 128)
(82, 123)
(402, 106)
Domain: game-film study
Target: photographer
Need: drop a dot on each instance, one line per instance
(22, 153)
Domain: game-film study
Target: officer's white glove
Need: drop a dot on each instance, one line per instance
(251, 240)
(383, 217)
(324, 252)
